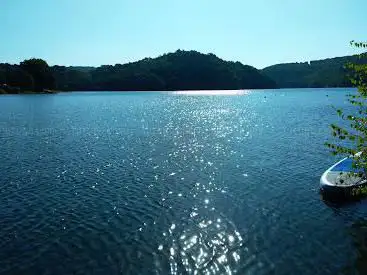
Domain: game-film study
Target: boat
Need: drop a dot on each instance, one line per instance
(342, 177)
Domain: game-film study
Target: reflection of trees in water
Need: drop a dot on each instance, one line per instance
(353, 211)
(358, 233)
(341, 199)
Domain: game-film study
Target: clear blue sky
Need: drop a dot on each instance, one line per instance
(256, 32)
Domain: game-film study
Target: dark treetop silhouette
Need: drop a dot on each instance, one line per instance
(181, 70)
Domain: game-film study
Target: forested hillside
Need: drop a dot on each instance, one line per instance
(182, 70)
(321, 73)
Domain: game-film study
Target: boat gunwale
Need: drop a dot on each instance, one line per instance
(325, 182)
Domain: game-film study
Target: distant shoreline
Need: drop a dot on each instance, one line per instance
(177, 92)
(6, 90)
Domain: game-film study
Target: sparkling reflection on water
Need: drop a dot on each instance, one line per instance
(204, 244)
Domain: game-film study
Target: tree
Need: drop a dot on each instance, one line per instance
(71, 79)
(354, 137)
(15, 76)
(18, 77)
(41, 73)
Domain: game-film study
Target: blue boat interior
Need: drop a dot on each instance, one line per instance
(346, 166)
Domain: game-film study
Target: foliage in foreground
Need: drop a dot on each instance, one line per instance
(353, 138)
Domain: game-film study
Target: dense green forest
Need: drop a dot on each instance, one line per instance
(182, 70)
(321, 73)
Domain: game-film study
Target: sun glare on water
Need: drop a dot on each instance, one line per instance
(213, 92)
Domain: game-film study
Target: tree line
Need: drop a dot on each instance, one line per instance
(332, 72)
(181, 70)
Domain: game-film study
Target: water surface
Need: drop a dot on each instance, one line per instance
(167, 183)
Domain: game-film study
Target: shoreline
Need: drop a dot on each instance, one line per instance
(16, 91)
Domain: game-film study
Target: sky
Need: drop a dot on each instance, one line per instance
(255, 32)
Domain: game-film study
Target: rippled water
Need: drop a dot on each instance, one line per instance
(165, 183)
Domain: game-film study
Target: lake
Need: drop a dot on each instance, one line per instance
(173, 183)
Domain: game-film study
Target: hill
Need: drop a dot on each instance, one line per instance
(181, 70)
(321, 73)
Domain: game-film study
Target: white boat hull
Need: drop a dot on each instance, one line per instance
(341, 176)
